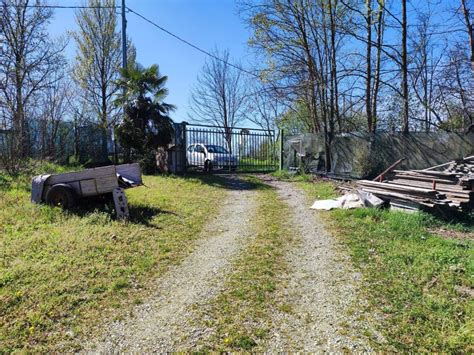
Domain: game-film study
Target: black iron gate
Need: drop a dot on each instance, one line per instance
(226, 149)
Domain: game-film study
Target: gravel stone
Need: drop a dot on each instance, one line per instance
(162, 323)
(321, 290)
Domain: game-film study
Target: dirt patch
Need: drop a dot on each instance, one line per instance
(452, 234)
(162, 323)
(320, 298)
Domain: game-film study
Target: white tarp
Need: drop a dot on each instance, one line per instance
(37, 187)
(348, 201)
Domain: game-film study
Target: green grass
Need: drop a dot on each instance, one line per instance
(412, 278)
(61, 273)
(257, 164)
(240, 314)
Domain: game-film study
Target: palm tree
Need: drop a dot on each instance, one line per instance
(146, 125)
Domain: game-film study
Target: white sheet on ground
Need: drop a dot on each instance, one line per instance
(344, 202)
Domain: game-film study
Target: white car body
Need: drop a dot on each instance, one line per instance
(210, 157)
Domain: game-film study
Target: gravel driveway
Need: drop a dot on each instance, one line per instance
(162, 322)
(321, 289)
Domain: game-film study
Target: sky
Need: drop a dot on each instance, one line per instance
(208, 24)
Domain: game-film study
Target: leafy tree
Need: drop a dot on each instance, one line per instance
(146, 125)
(98, 60)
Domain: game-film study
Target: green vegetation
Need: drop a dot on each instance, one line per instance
(257, 164)
(285, 175)
(420, 283)
(240, 312)
(146, 125)
(62, 272)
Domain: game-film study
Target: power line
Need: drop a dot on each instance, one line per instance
(65, 6)
(152, 23)
(192, 45)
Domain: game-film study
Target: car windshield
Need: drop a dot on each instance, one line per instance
(216, 149)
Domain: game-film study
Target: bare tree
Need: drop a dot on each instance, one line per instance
(28, 59)
(372, 79)
(264, 108)
(53, 111)
(469, 29)
(220, 95)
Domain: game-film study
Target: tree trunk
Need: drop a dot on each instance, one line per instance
(368, 79)
(469, 31)
(104, 124)
(376, 86)
(334, 84)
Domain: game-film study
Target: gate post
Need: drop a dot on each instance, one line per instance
(178, 158)
(184, 143)
(281, 150)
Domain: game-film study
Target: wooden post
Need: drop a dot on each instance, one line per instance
(121, 204)
(389, 169)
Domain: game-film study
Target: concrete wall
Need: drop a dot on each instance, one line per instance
(363, 154)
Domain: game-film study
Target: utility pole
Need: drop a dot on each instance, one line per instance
(124, 66)
(124, 36)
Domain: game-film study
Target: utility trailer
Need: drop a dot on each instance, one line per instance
(65, 189)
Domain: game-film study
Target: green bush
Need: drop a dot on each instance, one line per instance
(368, 163)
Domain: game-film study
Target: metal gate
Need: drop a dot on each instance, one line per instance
(226, 149)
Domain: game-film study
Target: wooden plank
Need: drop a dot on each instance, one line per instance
(427, 185)
(82, 175)
(88, 187)
(106, 184)
(390, 194)
(415, 177)
(447, 179)
(439, 166)
(389, 169)
(410, 189)
(436, 173)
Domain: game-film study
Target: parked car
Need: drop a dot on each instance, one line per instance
(210, 157)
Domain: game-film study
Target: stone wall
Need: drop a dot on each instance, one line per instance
(363, 154)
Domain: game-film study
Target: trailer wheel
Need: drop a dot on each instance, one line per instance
(61, 195)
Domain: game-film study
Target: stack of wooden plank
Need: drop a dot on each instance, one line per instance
(450, 188)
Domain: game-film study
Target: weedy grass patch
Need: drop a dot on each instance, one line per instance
(240, 314)
(315, 188)
(62, 273)
(420, 283)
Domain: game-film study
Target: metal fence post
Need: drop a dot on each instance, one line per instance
(281, 149)
(184, 146)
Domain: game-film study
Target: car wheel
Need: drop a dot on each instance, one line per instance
(62, 196)
(208, 166)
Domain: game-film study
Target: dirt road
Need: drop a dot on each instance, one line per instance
(321, 288)
(161, 323)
